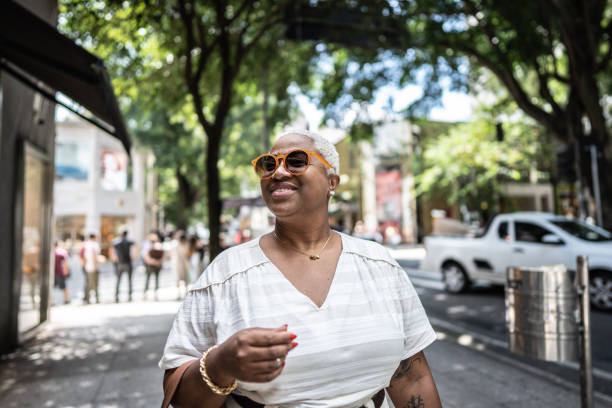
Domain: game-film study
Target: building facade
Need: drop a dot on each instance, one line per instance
(33, 67)
(98, 188)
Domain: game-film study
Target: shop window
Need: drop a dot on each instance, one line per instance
(33, 257)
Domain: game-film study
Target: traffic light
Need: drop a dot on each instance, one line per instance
(499, 132)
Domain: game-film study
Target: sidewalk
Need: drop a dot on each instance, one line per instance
(106, 356)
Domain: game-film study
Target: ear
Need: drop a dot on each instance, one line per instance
(333, 182)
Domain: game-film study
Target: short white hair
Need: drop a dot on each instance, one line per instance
(324, 146)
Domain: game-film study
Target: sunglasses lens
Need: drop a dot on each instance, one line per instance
(297, 161)
(266, 165)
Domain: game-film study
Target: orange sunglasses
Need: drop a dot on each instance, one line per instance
(296, 162)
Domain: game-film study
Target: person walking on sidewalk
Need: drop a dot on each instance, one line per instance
(179, 256)
(92, 259)
(153, 260)
(122, 256)
(359, 322)
(62, 272)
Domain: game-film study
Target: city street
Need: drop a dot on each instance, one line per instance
(481, 312)
(106, 355)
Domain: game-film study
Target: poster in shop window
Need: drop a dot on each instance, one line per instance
(114, 170)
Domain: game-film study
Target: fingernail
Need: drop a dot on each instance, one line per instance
(283, 363)
(285, 326)
(292, 336)
(294, 344)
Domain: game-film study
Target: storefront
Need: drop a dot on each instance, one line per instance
(35, 63)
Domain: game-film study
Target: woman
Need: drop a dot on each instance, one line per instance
(179, 256)
(359, 323)
(153, 259)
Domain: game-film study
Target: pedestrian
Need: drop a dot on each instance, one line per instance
(92, 259)
(179, 256)
(62, 271)
(194, 254)
(82, 259)
(153, 261)
(122, 256)
(359, 322)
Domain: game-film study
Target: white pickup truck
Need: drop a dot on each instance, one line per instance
(523, 239)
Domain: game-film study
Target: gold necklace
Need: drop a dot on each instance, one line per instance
(313, 257)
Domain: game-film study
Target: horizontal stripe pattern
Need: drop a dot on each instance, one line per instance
(348, 348)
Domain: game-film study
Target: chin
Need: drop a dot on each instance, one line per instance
(282, 211)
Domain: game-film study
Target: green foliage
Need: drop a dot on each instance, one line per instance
(145, 44)
(469, 165)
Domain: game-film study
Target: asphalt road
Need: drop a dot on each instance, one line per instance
(481, 312)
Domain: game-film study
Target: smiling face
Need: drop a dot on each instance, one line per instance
(288, 195)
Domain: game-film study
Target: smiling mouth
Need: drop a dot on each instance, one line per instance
(282, 190)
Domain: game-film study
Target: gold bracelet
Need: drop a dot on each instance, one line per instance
(214, 387)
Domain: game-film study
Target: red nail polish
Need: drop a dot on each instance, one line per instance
(283, 364)
(292, 336)
(294, 344)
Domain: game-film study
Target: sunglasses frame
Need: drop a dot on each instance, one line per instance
(278, 157)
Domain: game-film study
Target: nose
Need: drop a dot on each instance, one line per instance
(281, 170)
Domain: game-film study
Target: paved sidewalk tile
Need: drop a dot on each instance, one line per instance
(91, 356)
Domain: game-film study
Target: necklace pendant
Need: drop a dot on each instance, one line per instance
(314, 257)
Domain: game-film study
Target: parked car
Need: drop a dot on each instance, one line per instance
(523, 239)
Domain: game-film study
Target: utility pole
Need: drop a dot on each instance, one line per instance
(596, 190)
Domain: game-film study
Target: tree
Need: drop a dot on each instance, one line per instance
(553, 57)
(469, 165)
(147, 76)
(561, 46)
(207, 51)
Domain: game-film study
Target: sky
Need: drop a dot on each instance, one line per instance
(456, 106)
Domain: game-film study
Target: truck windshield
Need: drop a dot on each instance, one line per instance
(583, 231)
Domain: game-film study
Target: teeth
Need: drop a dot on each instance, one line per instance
(282, 190)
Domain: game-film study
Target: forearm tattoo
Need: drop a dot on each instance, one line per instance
(404, 368)
(415, 402)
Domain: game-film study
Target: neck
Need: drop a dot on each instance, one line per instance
(303, 236)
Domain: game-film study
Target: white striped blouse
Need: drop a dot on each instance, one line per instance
(348, 348)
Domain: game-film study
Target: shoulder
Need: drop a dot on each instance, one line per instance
(369, 250)
(232, 262)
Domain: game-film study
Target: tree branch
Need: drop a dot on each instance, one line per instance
(242, 8)
(191, 80)
(513, 86)
(602, 65)
(545, 90)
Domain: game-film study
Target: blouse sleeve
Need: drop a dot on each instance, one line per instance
(193, 330)
(418, 332)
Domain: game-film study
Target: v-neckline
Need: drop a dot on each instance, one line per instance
(299, 292)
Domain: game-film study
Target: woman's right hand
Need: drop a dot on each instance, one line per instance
(250, 355)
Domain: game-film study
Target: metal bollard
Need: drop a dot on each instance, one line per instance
(584, 332)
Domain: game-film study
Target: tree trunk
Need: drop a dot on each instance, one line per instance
(212, 183)
(182, 217)
(265, 132)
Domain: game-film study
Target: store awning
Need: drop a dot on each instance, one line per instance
(33, 52)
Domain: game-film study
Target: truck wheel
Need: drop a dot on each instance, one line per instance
(454, 277)
(600, 290)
